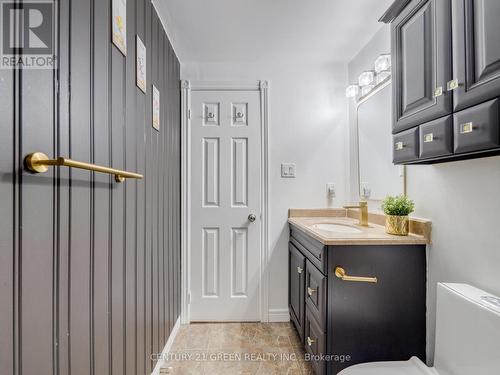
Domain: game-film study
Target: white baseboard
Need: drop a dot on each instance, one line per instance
(279, 315)
(160, 363)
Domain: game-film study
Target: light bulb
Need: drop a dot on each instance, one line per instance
(366, 78)
(352, 91)
(383, 63)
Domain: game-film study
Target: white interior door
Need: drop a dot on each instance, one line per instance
(225, 205)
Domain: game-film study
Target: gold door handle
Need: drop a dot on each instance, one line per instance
(299, 270)
(39, 162)
(310, 341)
(311, 291)
(341, 274)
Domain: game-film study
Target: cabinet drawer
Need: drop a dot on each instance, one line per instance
(296, 272)
(315, 343)
(476, 128)
(405, 146)
(315, 294)
(314, 250)
(436, 138)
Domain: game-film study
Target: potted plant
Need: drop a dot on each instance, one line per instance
(397, 210)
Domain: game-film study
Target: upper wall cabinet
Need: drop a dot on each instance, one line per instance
(476, 57)
(421, 54)
(446, 79)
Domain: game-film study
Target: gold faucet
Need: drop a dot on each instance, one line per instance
(363, 213)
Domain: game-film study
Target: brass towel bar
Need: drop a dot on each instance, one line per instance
(38, 162)
(341, 274)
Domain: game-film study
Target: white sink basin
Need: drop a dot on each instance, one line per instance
(336, 228)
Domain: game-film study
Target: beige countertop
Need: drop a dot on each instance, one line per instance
(374, 234)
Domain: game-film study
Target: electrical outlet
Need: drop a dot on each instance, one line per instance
(330, 190)
(288, 170)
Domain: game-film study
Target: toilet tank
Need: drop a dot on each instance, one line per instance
(467, 331)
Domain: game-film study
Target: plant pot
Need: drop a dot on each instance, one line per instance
(398, 225)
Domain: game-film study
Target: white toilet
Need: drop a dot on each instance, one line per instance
(467, 337)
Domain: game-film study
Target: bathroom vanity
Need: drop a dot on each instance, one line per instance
(356, 294)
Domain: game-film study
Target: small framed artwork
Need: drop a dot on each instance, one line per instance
(119, 25)
(156, 108)
(141, 65)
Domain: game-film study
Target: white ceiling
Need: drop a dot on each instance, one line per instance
(319, 31)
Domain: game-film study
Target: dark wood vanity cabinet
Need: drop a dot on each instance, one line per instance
(421, 57)
(476, 51)
(446, 68)
(346, 322)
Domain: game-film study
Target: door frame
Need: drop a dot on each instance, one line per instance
(187, 87)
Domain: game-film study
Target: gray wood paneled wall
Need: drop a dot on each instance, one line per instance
(90, 269)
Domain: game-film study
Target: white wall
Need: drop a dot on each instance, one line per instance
(461, 199)
(308, 126)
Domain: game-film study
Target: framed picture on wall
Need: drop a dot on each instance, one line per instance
(141, 64)
(119, 25)
(156, 108)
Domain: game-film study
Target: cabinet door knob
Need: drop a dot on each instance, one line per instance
(299, 270)
(252, 218)
(311, 291)
(466, 128)
(428, 138)
(438, 92)
(310, 341)
(341, 274)
(453, 85)
(399, 146)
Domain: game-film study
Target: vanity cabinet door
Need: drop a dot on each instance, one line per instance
(476, 51)
(315, 343)
(421, 59)
(296, 301)
(383, 321)
(316, 293)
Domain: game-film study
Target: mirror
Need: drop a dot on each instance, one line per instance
(378, 176)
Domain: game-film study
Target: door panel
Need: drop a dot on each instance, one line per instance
(225, 186)
(89, 269)
(422, 60)
(374, 322)
(8, 251)
(476, 51)
(296, 272)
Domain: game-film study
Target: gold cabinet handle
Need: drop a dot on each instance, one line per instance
(299, 270)
(399, 146)
(341, 274)
(311, 291)
(466, 128)
(429, 138)
(310, 341)
(438, 92)
(38, 162)
(453, 85)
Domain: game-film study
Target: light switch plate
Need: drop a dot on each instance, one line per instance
(288, 170)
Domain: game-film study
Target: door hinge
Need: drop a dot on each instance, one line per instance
(189, 298)
(189, 114)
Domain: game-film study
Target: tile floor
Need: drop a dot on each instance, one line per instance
(237, 348)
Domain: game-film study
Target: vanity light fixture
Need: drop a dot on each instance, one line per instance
(383, 63)
(366, 78)
(352, 91)
(371, 79)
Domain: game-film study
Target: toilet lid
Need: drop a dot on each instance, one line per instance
(412, 367)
